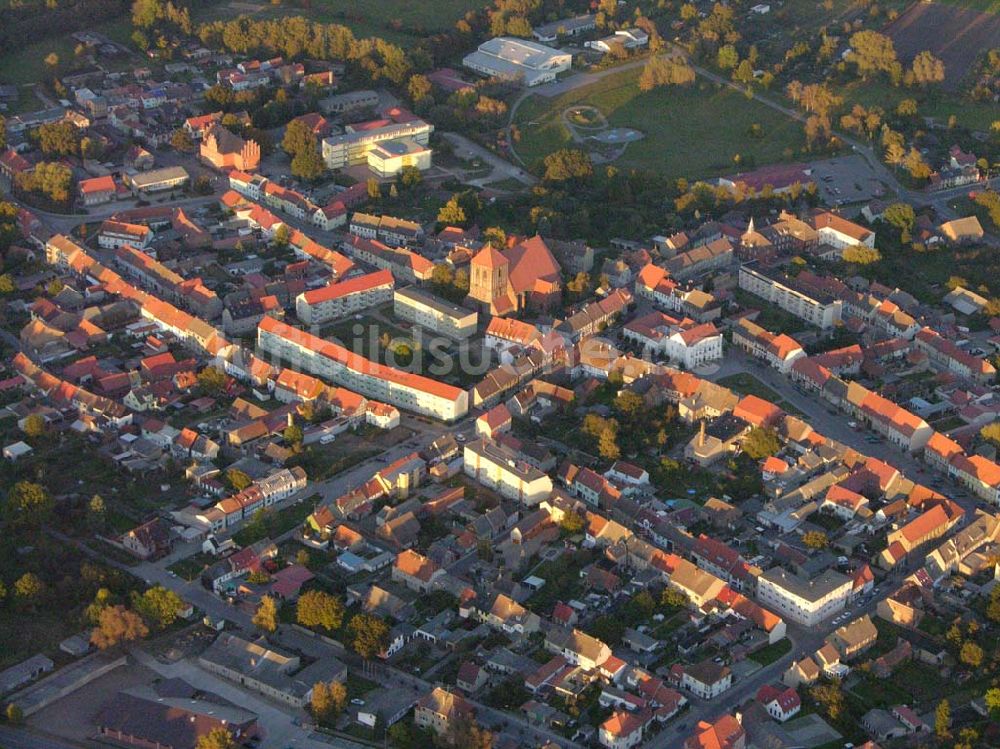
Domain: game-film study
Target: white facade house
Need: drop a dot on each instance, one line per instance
(807, 602)
(344, 298)
(428, 311)
(336, 364)
(520, 59)
(821, 310)
(500, 469)
(681, 342)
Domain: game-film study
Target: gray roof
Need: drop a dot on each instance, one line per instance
(810, 590)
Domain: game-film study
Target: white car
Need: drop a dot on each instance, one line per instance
(357, 701)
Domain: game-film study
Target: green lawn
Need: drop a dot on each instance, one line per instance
(27, 64)
(770, 654)
(690, 132)
(434, 16)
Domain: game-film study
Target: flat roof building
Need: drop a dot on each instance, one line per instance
(519, 59)
(433, 313)
(807, 602)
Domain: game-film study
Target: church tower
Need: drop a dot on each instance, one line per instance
(488, 276)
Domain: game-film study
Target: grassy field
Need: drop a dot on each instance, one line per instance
(745, 383)
(436, 16)
(27, 64)
(690, 132)
(972, 114)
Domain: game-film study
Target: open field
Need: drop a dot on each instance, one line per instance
(957, 35)
(436, 16)
(27, 64)
(689, 132)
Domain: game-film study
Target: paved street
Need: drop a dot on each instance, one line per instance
(25, 738)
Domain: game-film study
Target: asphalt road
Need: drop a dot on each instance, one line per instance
(25, 738)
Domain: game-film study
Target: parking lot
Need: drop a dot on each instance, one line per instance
(846, 180)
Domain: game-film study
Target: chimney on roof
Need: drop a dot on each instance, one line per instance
(701, 434)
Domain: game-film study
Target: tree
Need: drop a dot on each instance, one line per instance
(495, 237)
(629, 404)
(927, 69)
(607, 443)
(572, 522)
(419, 88)
(117, 625)
(52, 61)
(761, 443)
(102, 599)
(6, 282)
(873, 52)
(28, 504)
(293, 436)
(661, 71)
(298, 137)
(52, 180)
(34, 426)
(971, 654)
(860, 254)
(900, 215)
(181, 141)
(211, 381)
(370, 635)
(744, 73)
(942, 719)
(463, 731)
(58, 139)
(282, 236)
(410, 176)
(673, 598)
(316, 608)
(13, 713)
(727, 57)
(237, 479)
(328, 701)
(28, 588)
(217, 738)
(830, 698)
(991, 433)
(992, 698)
(815, 540)
(452, 213)
(158, 606)
(97, 512)
(374, 189)
(568, 164)
(266, 617)
(308, 164)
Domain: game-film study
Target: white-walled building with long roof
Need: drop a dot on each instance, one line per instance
(530, 62)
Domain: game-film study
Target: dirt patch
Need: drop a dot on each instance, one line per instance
(956, 35)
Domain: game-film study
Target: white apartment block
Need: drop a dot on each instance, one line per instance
(500, 469)
(428, 311)
(807, 602)
(335, 364)
(352, 147)
(823, 312)
(345, 298)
